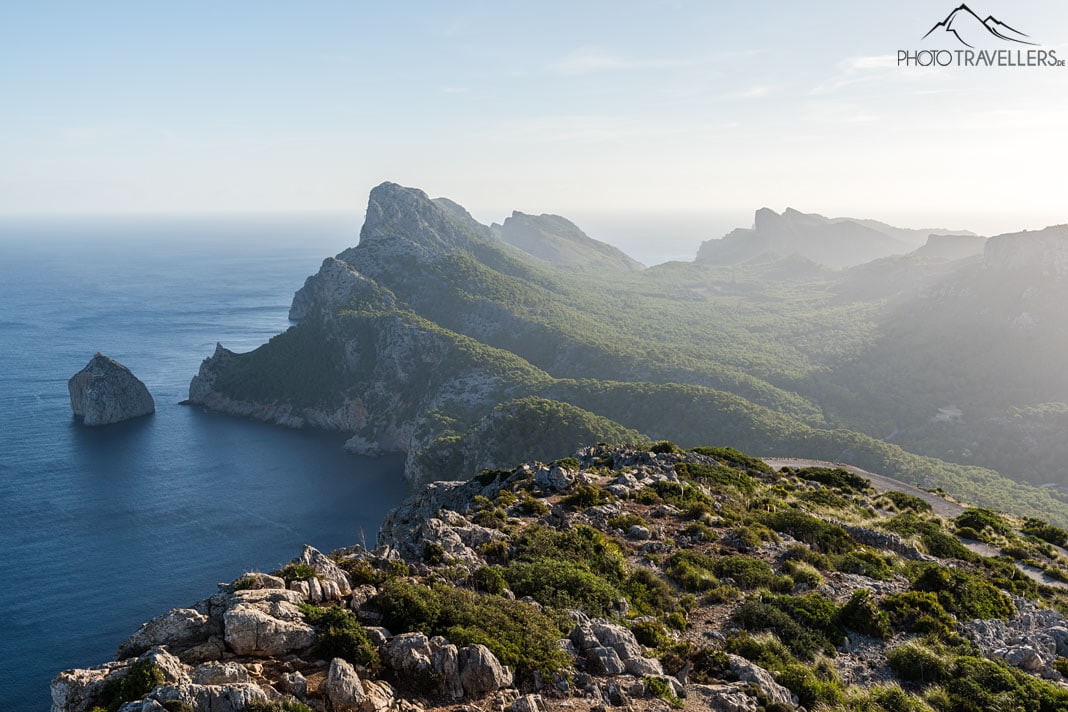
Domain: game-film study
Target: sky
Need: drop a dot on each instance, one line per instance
(610, 108)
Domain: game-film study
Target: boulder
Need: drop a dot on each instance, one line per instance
(604, 661)
(529, 703)
(177, 629)
(76, 690)
(481, 672)
(408, 654)
(342, 687)
(105, 392)
(294, 683)
(750, 672)
(725, 698)
(337, 584)
(266, 623)
(219, 673)
(445, 666)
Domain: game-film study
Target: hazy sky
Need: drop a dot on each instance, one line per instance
(544, 107)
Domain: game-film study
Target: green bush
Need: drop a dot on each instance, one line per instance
(746, 571)
(650, 633)
(837, 478)
(865, 562)
(660, 688)
(692, 570)
(735, 458)
(489, 579)
(296, 572)
(802, 573)
(828, 538)
(918, 612)
(980, 519)
(863, 615)
(914, 662)
(717, 474)
(907, 502)
(586, 496)
(663, 447)
(648, 593)
(963, 594)
(625, 521)
(568, 463)
(562, 584)
(582, 545)
(930, 534)
(530, 506)
(519, 635)
(806, 623)
(140, 678)
(407, 607)
(340, 636)
(1047, 532)
(810, 686)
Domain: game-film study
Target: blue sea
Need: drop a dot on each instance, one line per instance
(104, 528)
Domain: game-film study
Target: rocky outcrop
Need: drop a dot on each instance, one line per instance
(337, 286)
(106, 392)
(266, 622)
(1043, 252)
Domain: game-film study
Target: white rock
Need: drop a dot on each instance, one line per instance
(343, 688)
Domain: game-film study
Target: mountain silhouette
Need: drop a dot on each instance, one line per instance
(964, 23)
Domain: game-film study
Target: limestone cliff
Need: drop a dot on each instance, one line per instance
(106, 392)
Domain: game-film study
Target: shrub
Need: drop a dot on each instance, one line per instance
(746, 571)
(660, 688)
(625, 521)
(963, 594)
(907, 502)
(361, 572)
(980, 519)
(837, 478)
(930, 533)
(719, 474)
(433, 553)
(914, 662)
(710, 665)
(407, 607)
(296, 572)
(1047, 532)
(486, 477)
(568, 463)
(735, 458)
(140, 678)
(918, 612)
(802, 573)
(340, 636)
(582, 545)
(648, 593)
(692, 570)
(562, 584)
(531, 506)
(664, 446)
(700, 531)
(811, 687)
(865, 562)
(650, 633)
(586, 496)
(800, 552)
(679, 494)
(519, 635)
(862, 614)
(489, 579)
(828, 538)
(805, 623)
(244, 583)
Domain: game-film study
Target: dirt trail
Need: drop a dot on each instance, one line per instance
(882, 483)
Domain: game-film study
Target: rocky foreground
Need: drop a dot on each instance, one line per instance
(623, 578)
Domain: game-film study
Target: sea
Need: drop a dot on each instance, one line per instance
(102, 529)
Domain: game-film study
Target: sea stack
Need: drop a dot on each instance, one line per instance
(105, 392)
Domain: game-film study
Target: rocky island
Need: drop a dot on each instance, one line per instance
(630, 578)
(106, 392)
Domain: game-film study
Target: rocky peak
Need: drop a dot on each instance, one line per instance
(405, 220)
(106, 392)
(559, 241)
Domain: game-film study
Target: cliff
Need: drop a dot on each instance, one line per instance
(624, 578)
(106, 392)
